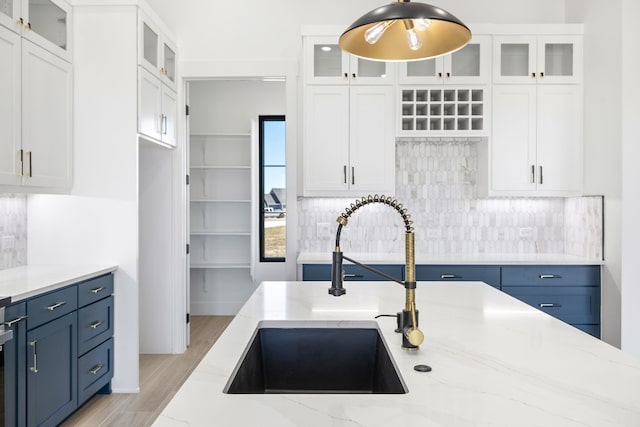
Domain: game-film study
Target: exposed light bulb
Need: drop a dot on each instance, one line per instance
(413, 39)
(421, 23)
(373, 34)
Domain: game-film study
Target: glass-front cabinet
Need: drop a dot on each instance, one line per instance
(537, 59)
(157, 52)
(327, 64)
(469, 65)
(44, 22)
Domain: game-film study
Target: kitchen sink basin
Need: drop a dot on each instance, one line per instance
(316, 357)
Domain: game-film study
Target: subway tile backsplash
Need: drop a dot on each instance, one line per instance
(13, 230)
(436, 181)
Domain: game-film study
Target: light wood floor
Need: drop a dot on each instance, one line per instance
(161, 375)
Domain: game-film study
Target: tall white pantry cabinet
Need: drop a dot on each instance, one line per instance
(536, 144)
(36, 113)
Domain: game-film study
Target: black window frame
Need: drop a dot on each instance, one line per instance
(261, 120)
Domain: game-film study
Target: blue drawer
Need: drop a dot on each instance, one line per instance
(95, 289)
(572, 304)
(50, 306)
(353, 273)
(551, 275)
(95, 370)
(95, 324)
(489, 274)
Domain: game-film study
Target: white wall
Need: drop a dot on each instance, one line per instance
(603, 139)
(630, 177)
(266, 30)
(98, 222)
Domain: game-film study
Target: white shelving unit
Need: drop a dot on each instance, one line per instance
(220, 219)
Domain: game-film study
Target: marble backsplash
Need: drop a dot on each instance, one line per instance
(13, 230)
(436, 182)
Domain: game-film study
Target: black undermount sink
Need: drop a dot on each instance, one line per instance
(316, 357)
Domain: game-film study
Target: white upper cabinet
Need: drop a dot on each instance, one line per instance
(469, 65)
(157, 52)
(536, 146)
(10, 102)
(157, 97)
(349, 147)
(529, 59)
(326, 63)
(46, 23)
(35, 115)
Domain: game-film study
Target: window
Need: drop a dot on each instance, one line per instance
(273, 189)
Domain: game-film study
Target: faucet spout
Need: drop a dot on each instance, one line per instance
(412, 337)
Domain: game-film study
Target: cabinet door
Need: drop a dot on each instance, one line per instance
(326, 140)
(426, 71)
(46, 118)
(513, 145)
(514, 59)
(9, 14)
(52, 359)
(559, 59)
(149, 47)
(169, 107)
(559, 140)
(15, 388)
(366, 72)
(325, 62)
(47, 23)
(149, 104)
(469, 65)
(371, 142)
(10, 131)
(168, 69)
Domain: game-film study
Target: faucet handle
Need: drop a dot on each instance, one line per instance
(414, 336)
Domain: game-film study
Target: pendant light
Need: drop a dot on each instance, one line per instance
(405, 31)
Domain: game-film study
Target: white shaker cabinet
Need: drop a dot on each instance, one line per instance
(536, 147)
(156, 52)
(47, 23)
(157, 98)
(157, 108)
(349, 147)
(535, 59)
(326, 63)
(36, 120)
(469, 65)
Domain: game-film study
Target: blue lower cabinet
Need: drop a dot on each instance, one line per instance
(61, 352)
(52, 388)
(352, 272)
(489, 274)
(15, 362)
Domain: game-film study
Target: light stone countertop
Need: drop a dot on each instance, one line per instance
(496, 362)
(452, 259)
(24, 282)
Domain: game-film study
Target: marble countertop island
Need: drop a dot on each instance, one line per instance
(496, 362)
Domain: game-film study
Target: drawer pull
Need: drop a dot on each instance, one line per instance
(96, 324)
(10, 323)
(56, 305)
(97, 290)
(549, 276)
(549, 305)
(96, 369)
(351, 275)
(34, 368)
(447, 276)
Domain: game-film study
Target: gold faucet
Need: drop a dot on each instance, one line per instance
(412, 337)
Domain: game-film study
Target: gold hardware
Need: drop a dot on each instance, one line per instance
(21, 160)
(533, 75)
(20, 21)
(541, 74)
(28, 26)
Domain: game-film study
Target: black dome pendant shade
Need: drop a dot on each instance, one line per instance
(405, 31)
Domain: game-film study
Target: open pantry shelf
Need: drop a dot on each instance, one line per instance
(425, 111)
